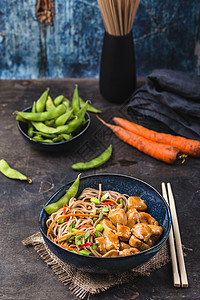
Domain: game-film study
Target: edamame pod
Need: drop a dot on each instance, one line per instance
(44, 128)
(75, 123)
(6, 170)
(49, 104)
(90, 108)
(96, 162)
(43, 116)
(67, 104)
(58, 100)
(63, 118)
(71, 192)
(41, 102)
(75, 100)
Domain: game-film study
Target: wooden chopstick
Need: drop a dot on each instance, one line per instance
(175, 226)
(177, 235)
(176, 277)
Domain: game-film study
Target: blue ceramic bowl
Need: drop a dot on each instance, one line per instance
(157, 207)
(67, 145)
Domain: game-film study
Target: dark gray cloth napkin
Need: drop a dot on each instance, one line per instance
(171, 97)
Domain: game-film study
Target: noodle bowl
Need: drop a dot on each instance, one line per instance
(104, 224)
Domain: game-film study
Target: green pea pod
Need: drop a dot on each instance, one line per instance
(75, 123)
(63, 118)
(6, 170)
(43, 116)
(75, 100)
(96, 162)
(41, 102)
(58, 100)
(90, 108)
(49, 104)
(71, 192)
(44, 128)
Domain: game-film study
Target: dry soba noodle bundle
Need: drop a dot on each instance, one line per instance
(118, 15)
(104, 224)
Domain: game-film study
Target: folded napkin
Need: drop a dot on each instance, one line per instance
(92, 283)
(171, 97)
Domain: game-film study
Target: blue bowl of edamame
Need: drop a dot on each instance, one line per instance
(127, 185)
(45, 143)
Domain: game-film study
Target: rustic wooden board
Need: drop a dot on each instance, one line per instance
(23, 274)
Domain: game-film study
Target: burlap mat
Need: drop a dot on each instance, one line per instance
(92, 283)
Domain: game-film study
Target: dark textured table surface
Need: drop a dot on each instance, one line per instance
(23, 274)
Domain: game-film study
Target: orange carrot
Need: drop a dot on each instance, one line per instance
(68, 235)
(84, 226)
(187, 146)
(166, 153)
(68, 248)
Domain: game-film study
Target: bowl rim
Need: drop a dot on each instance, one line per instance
(56, 143)
(158, 245)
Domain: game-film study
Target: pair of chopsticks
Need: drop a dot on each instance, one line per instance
(174, 235)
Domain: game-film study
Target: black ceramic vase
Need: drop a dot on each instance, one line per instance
(117, 79)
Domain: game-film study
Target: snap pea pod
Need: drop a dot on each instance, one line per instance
(75, 100)
(41, 102)
(96, 162)
(63, 118)
(58, 100)
(71, 192)
(6, 170)
(75, 123)
(49, 104)
(43, 116)
(90, 108)
(44, 128)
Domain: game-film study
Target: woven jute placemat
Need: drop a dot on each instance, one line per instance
(92, 283)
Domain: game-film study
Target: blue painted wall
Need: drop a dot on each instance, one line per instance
(166, 35)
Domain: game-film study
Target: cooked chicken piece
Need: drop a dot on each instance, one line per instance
(111, 241)
(101, 244)
(117, 216)
(107, 226)
(123, 232)
(111, 253)
(136, 243)
(147, 219)
(156, 230)
(129, 251)
(142, 231)
(156, 233)
(136, 202)
(133, 217)
(123, 246)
